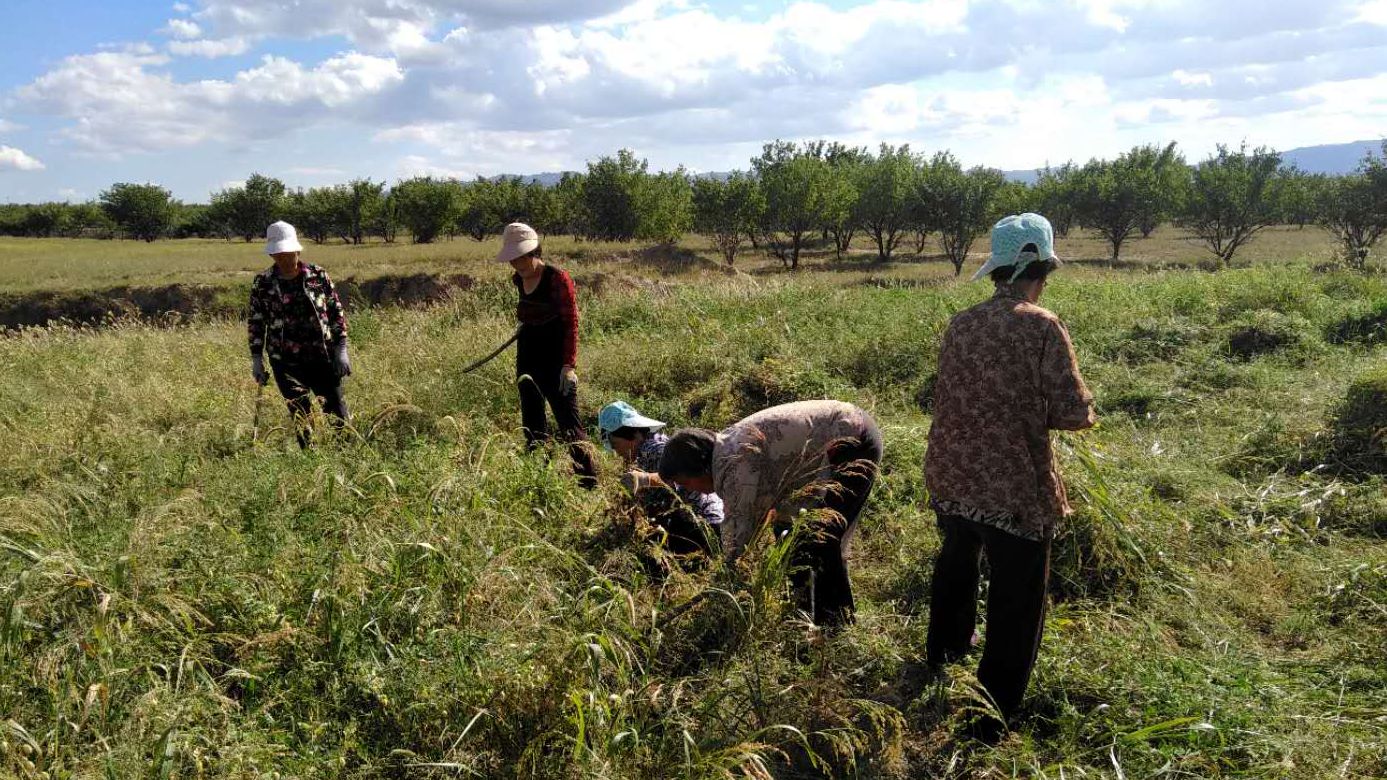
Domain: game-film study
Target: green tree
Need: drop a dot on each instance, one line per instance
(143, 211)
(666, 206)
(1171, 175)
(958, 204)
(88, 220)
(362, 203)
(316, 212)
(44, 220)
(570, 212)
(1233, 197)
(1113, 197)
(726, 211)
(477, 213)
(845, 164)
(1056, 196)
(797, 187)
(1353, 208)
(193, 220)
(611, 196)
(1300, 196)
(427, 207)
(543, 209)
(247, 210)
(886, 192)
(385, 220)
(1013, 197)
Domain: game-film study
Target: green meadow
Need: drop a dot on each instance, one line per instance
(185, 594)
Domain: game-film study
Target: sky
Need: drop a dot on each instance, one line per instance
(197, 95)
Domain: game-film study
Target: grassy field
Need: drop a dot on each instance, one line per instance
(184, 596)
(29, 264)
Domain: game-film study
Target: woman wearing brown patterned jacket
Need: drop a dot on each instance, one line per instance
(1007, 377)
(818, 457)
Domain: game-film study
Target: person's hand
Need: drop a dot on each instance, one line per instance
(257, 369)
(568, 380)
(635, 481)
(341, 361)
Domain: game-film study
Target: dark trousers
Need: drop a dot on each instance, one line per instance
(299, 382)
(1020, 574)
(540, 384)
(820, 574)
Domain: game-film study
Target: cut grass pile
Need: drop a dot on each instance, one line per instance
(421, 600)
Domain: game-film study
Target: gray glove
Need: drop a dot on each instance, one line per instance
(257, 369)
(341, 361)
(568, 380)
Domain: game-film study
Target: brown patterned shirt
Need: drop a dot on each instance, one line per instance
(1007, 377)
(774, 458)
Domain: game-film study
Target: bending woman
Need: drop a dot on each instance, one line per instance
(808, 455)
(689, 520)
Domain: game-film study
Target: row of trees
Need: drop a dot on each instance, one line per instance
(792, 196)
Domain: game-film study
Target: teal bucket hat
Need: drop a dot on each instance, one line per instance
(620, 414)
(1010, 235)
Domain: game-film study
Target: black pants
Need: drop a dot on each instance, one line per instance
(539, 384)
(1020, 574)
(820, 577)
(299, 382)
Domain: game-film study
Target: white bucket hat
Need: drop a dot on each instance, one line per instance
(1010, 235)
(281, 237)
(517, 240)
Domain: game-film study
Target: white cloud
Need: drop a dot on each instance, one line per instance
(384, 24)
(209, 48)
(6, 126)
(183, 29)
(16, 160)
(466, 151)
(1373, 12)
(489, 86)
(305, 170)
(122, 102)
(1187, 78)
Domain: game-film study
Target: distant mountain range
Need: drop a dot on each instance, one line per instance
(1328, 158)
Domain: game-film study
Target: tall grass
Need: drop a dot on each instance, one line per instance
(180, 597)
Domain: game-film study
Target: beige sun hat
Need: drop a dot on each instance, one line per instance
(281, 237)
(517, 240)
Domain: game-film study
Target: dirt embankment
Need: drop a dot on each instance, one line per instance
(176, 303)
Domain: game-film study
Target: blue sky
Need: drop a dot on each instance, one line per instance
(199, 94)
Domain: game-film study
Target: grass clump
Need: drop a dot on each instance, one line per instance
(1265, 332)
(1151, 341)
(1360, 426)
(1368, 326)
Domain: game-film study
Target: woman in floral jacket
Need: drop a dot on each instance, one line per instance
(296, 317)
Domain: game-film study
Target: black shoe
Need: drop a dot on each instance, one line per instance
(987, 729)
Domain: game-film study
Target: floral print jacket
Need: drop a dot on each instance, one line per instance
(1007, 377)
(272, 325)
(777, 459)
